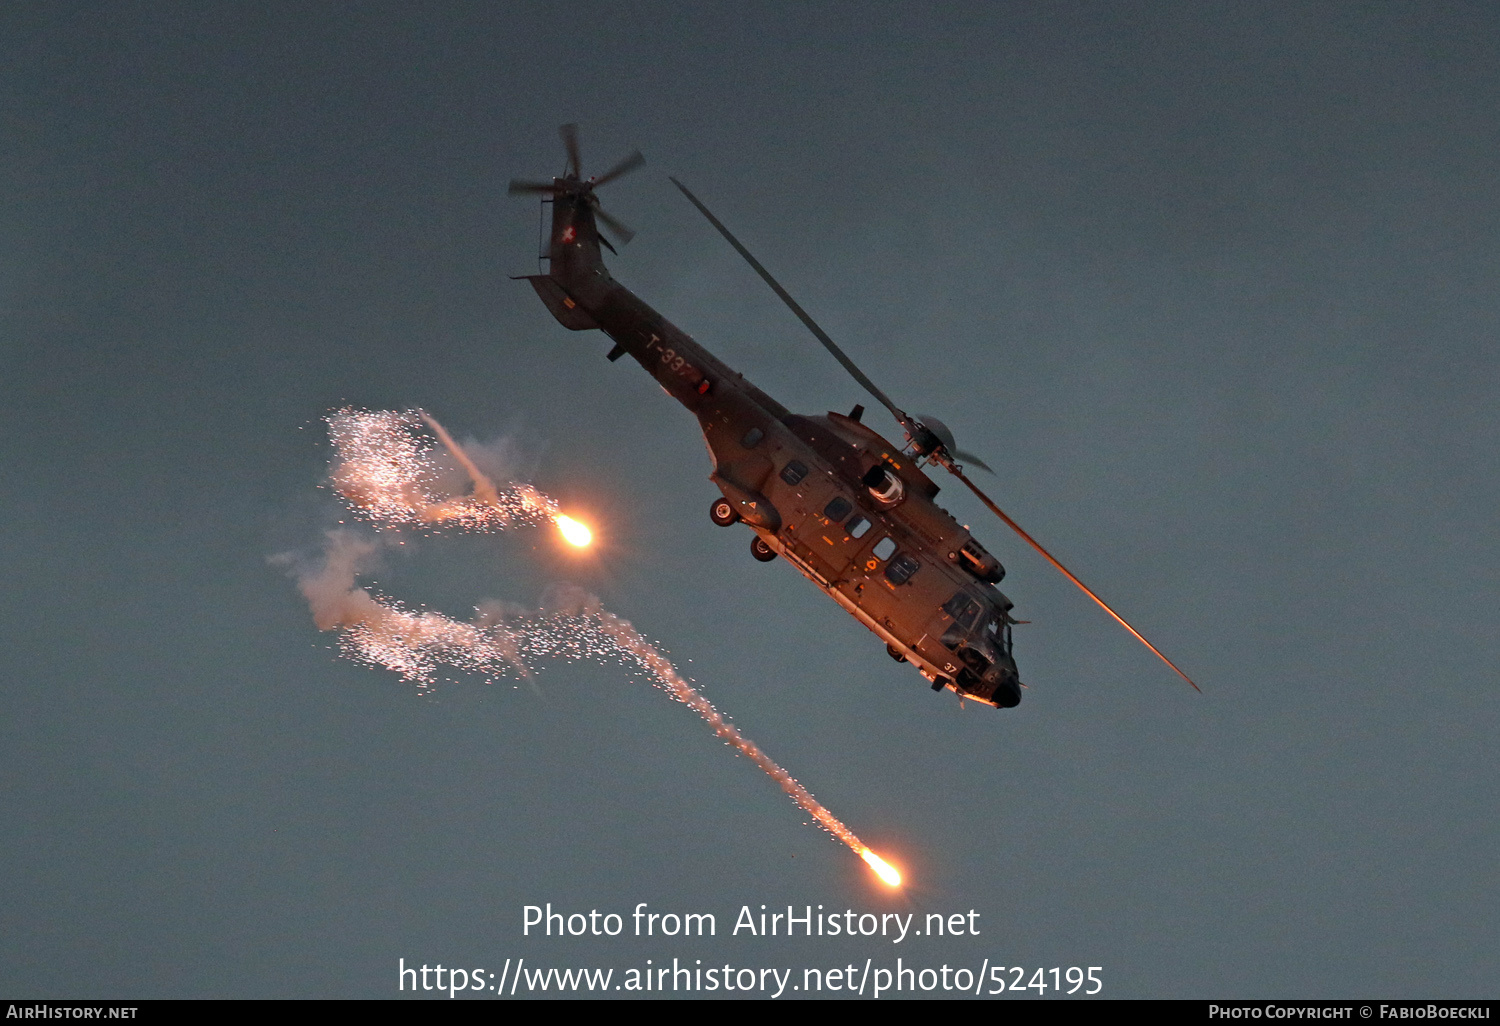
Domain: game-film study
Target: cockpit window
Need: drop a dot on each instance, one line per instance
(857, 527)
(752, 438)
(793, 472)
(884, 547)
(838, 509)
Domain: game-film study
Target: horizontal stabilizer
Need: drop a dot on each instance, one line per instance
(568, 313)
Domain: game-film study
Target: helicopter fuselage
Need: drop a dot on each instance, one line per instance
(849, 509)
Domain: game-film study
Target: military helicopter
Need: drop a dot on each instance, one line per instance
(851, 510)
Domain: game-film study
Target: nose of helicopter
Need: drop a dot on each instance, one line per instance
(1008, 692)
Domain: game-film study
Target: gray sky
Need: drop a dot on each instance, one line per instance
(1214, 288)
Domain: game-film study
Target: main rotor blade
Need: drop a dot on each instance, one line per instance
(1069, 574)
(822, 336)
(624, 167)
(519, 187)
(969, 457)
(569, 133)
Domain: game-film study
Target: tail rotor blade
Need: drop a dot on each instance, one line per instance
(624, 167)
(620, 229)
(1069, 575)
(569, 133)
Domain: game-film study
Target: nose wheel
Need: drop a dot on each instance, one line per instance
(722, 513)
(760, 550)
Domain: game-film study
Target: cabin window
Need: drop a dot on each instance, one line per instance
(857, 527)
(793, 472)
(838, 509)
(752, 438)
(901, 569)
(963, 610)
(884, 547)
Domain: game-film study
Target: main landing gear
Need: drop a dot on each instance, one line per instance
(722, 513)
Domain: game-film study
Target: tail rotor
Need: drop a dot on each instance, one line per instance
(572, 185)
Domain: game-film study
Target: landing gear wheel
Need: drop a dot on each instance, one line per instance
(722, 513)
(895, 653)
(760, 550)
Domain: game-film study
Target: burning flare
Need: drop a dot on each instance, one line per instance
(385, 469)
(574, 532)
(883, 869)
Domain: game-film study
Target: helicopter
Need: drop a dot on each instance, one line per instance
(854, 512)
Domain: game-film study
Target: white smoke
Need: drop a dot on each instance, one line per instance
(385, 468)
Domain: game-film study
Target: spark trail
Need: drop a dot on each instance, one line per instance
(386, 470)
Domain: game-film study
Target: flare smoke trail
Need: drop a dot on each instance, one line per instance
(666, 676)
(385, 469)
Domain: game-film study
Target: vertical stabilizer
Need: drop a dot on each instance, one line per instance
(573, 250)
